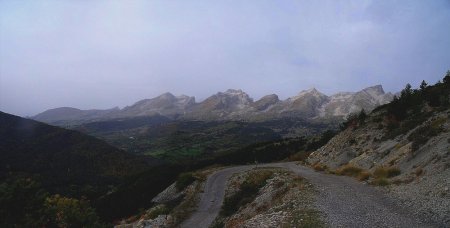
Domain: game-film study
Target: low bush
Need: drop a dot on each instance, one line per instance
(160, 210)
(319, 167)
(380, 181)
(363, 176)
(349, 170)
(68, 212)
(386, 172)
(395, 128)
(422, 134)
(299, 156)
(418, 171)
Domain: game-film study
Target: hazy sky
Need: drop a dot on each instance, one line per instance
(101, 54)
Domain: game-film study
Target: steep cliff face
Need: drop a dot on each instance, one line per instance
(342, 104)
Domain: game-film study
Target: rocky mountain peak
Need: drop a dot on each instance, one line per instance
(185, 100)
(234, 97)
(374, 90)
(166, 96)
(266, 102)
(234, 91)
(236, 104)
(310, 92)
(271, 97)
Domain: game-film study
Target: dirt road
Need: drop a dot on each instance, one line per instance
(343, 201)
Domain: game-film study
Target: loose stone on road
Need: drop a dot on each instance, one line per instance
(344, 201)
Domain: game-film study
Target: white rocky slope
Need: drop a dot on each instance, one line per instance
(165, 104)
(233, 105)
(424, 181)
(341, 104)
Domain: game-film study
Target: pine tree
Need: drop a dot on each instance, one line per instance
(447, 78)
(406, 92)
(423, 85)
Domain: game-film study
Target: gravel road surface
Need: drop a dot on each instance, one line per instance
(343, 201)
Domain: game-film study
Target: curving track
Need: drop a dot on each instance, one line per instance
(343, 201)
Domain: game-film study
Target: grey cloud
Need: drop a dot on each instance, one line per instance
(101, 54)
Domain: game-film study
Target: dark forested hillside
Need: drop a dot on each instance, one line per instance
(64, 160)
(50, 176)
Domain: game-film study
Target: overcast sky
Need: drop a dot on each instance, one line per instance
(102, 54)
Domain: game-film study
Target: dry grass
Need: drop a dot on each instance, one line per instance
(381, 181)
(319, 167)
(386, 172)
(349, 170)
(300, 156)
(382, 174)
(156, 211)
(363, 176)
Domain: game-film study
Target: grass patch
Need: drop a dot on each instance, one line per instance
(246, 193)
(306, 218)
(381, 181)
(386, 172)
(319, 167)
(349, 170)
(155, 212)
(363, 176)
(299, 156)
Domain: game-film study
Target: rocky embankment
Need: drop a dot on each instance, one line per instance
(416, 151)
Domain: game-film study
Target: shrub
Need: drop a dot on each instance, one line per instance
(394, 171)
(349, 170)
(386, 172)
(380, 181)
(422, 134)
(155, 212)
(418, 171)
(319, 167)
(184, 180)
(21, 203)
(68, 212)
(299, 156)
(364, 175)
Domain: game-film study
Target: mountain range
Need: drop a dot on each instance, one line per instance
(231, 105)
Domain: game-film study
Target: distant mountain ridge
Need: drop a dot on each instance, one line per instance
(232, 105)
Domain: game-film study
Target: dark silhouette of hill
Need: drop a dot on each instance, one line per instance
(65, 161)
